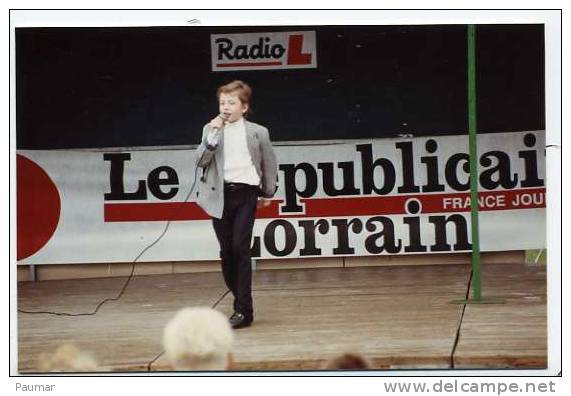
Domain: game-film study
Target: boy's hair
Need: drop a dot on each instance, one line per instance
(198, 338)
(241, 88)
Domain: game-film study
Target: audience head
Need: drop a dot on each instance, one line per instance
(348, 361)
(198, 338)
(68, 358)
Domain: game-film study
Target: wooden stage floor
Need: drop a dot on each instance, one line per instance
(399, 317)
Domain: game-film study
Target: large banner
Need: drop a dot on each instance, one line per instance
(389, 196)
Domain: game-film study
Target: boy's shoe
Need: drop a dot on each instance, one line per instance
(238, 320)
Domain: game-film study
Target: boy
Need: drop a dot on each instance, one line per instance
(238, 166)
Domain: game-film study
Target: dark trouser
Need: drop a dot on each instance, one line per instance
(234, 233)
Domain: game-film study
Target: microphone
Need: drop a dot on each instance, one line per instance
(214, 137)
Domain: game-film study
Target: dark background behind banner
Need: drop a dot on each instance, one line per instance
(124, 87)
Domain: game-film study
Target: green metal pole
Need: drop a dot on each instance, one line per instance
(472, 131)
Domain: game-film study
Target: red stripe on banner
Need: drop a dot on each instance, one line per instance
(239, 64)
(156, 211)
(353, 206)
(487, 200)
(345, 206)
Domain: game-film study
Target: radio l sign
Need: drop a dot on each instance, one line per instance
(263, 51)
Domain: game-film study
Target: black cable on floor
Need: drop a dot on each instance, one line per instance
(220, 299)
(129, 278)
(457, 337)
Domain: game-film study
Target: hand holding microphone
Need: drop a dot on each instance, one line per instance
(218, 121)
(217, 125)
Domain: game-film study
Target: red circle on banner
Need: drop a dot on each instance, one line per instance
(38, 207)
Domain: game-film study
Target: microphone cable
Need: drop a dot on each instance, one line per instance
(131, 275)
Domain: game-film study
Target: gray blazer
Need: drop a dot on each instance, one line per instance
(210, 193)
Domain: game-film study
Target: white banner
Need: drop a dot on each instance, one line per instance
(389, 196)
(263, 51)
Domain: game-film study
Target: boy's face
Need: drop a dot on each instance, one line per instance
(231, 107)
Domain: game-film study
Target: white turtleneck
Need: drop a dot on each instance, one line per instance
(238, 165)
